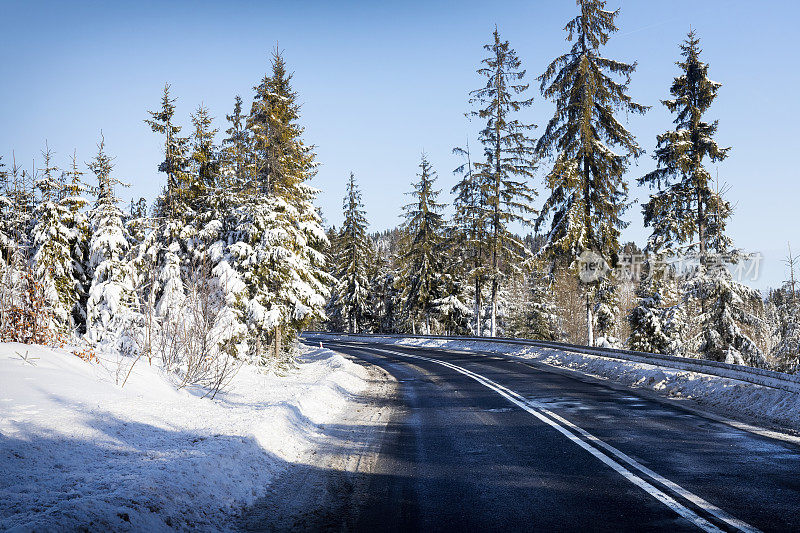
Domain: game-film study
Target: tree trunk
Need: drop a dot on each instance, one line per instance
(278, 344)
(494, 308)
(478, 324)
(589, 320)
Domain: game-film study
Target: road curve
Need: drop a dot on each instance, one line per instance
(480, 442)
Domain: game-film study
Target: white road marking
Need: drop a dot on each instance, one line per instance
(590, 443)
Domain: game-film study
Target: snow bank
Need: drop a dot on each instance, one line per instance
(736, 399)
(79, 452)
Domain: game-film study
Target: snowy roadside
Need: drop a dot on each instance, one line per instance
(738, 400)
(79, 452)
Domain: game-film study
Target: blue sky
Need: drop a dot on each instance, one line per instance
(380, 82)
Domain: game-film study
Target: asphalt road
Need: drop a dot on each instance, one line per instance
(482, 443)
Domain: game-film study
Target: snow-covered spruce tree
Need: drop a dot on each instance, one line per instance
(680, 211)
(236, 150)
(453, 312)
(657, 322)
(204, 210)
(532, 312)
(350, 296)
(786, 303)
(470, 225)
(6, 206)
(588, 193)
(509, 161)
(216, 286)
(111, 295)
(76, 221)
(6, 245)
(687, 212)
(52, 260)
(166, 246)
(281, 252)
(15, 199)
(421, 276)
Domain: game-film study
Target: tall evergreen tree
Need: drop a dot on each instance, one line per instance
(470, 223)
(509, 161)
(78, 223)
(280, 226)
(52, 261)
(175, 164)
(682, 211)
(354, 251)
(111, 295)
(588, 193)
(687, 212)
(236, 149)
(6, 213)
(166, 246)
(422, 274)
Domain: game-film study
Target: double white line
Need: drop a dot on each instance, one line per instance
(627, 467)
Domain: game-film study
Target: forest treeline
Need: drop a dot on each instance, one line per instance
(231, 261)
(570, 278)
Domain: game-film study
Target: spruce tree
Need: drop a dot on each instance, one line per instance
(167, 247)
(52, 261)
(421, 277)
(6, 213)
(354, 251)
(470, 223)
(111, 295)
(657, 322)
(236, 149)
(509, 161)
(76, 221)
(280, 226)
(682, 211)
(687, 212)
(786, 301)
(588, 193)
(175, 162)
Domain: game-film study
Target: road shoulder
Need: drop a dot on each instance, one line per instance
(321, 491)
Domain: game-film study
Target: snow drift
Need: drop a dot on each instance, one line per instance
(77, 451)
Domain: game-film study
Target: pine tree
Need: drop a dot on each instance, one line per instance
(204, 224)
(214, 203)
(509, 161)
(111, 295)
(280, 160)
(421, 277)
(588, 193)
(355, 249)
(18, 280)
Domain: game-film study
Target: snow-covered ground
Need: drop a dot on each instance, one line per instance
(79, 452)
(742, 401)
